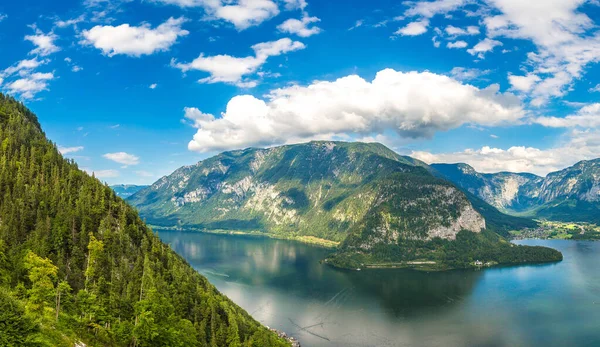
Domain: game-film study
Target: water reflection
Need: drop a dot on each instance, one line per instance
(282, 284)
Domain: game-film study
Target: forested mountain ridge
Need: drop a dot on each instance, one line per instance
(380, 206)
(317, 189)
(78, 265)
(572, 194)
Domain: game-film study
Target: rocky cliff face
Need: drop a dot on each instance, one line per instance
(321, 189)
(569, 194)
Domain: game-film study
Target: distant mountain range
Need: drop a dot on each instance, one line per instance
(126, 190)
(381, 207)
(572, 194)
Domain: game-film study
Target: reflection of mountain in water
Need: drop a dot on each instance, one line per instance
(409, 292)
(296, 269)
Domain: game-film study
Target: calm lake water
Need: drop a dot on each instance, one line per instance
(283, 285)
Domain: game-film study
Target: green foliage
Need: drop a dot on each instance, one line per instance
(468, 247)
(17, 328)
(78, 264)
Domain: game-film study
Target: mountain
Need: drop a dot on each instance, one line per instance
(126, 190)
(79, 267)
(363, 196)
(572, 194)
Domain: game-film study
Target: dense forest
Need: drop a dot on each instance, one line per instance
(78, 265)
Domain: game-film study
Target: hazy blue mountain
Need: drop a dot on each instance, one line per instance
(126, 190)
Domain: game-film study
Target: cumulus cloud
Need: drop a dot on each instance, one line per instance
(234, 70)
(457, 44)
(455, 31)
(135, 41)
(466, 74)
(24, 67)
(587, 117)
(426, 10)
(566, 41)
(484, 46)
(413, 104)
(44, 42)
(300, 27)
(241, 13)
(295, 4)
(577, 145)
(30, 84)
(414, 28)
(523, 83)
(153, 86)
(67, 150)
(69, 22)
(122, 158)
(247, 13)
(23, 78)
(102, 173)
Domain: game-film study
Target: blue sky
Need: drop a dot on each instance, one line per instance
(133, 89)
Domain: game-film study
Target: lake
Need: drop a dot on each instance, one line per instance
(282, 284)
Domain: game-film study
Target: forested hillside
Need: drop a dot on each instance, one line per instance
(78, 265)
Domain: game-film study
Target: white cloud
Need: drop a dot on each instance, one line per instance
(122, 158)
(135, 41)
(234, 70)
(466, 74)
(457, 44)
(76, 68)
(247, 13)
(44, 42)
(484, 46)
(102, 173)
(30, 84)
(357, 24)
(300, 27)
(595, 89)
(241, 13)
(576, 145)
(69, 22)
(153, 86)
(67, 150)
(295, 4)
(3, 16)
(24, 66)
(587, 117)
(412, 104)
(523, 83)
(567, 40)
(414, 28)
(454, 31)
(428, 9)
(144, 174)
